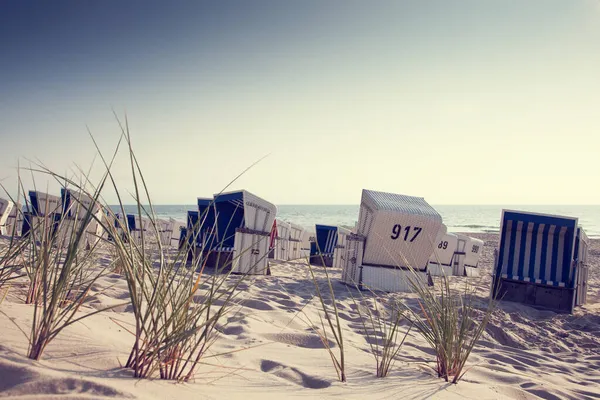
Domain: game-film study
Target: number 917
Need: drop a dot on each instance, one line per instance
(397, 232)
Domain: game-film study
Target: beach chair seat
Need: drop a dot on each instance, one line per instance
(540, 261)
(393, 244)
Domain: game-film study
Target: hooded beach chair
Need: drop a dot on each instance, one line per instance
(442, 259)
(321, 249)
(540, 261)
(244, 222)
(6, 207)
(282, 241)
(339, 251)
(393, 244)
(138, 227)
(43, 210)
(468, 252)
(166, 230)
(75, 207)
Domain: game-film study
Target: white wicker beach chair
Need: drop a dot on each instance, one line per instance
(395, 237)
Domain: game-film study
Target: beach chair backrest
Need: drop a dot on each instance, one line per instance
(325, 240)
(400, 230)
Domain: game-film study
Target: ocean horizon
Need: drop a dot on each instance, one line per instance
(458, 218)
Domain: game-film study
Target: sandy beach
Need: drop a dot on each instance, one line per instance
(266, 349)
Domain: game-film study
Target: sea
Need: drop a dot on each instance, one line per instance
(458, 218)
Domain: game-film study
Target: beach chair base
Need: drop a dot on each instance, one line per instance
(439, 269)
(321, 260)
(386, 279)
(471, 272)
(560, 299)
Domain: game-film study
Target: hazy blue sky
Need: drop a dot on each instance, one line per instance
(461, 102)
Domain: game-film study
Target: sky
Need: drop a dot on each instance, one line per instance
(459, 102)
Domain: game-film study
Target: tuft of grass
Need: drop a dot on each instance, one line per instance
(451, 322)
(329, 320)
(12, 257)
(177, 305)
(61, 269)
(382, 319)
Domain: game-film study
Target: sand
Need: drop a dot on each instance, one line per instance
(525, 353)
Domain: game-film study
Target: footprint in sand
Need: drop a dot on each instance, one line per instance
(233, 330)
(257, 305)
(293, 375)
(279, 295)
(304, 340)
(287, 304)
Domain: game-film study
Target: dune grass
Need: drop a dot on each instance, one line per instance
(330, 323)
(61, 270)
(12, 257)
(451, 322)
(177, 305)
(382, 318)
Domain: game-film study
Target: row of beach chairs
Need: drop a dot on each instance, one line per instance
(541, 260)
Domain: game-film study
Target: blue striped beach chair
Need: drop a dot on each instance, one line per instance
(540, 261)
(323, 245)
(243, 223)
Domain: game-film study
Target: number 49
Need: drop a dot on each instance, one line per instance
(397, 231)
